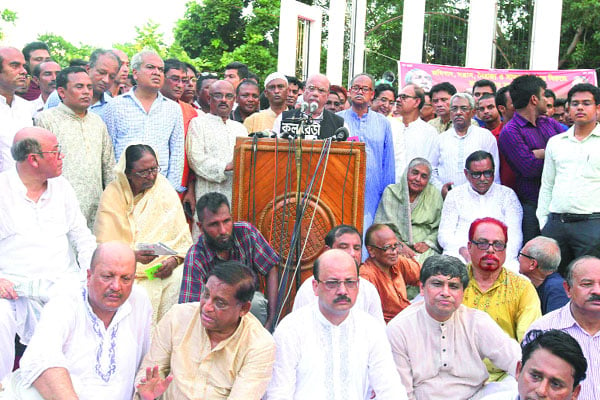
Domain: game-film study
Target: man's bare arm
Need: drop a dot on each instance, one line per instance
(55, 383)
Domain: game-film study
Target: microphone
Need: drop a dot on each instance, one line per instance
(303, 108)
(341, 134)
(313, 107)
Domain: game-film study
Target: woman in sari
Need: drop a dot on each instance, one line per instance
(141, 206)
(414, 208)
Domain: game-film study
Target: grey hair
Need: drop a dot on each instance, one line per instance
(465, 96)
(137, 59)
(419, 161)
(96, 54)
(364, 74)
(21, 149)
(546, 252)
(571, 267)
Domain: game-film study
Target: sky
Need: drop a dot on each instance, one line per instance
(96, 23)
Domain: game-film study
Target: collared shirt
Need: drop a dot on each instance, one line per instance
(237, 368)
(400, 145)
(102, 362)
(89, 158)
(260, 121)
(320, 361)
(392, 291)
(451, 150)
(419, 138)
(441, 127)
(517, 140)
(552, 293)
(367, 299)
(209, 147)
(37, 105)
(375, 131)
(590, 345)
(161, 127)
(464, 205)
(98, 107)
(511, 301)
(249, 247)
(455, 351)
(571, 176)
(13, 118)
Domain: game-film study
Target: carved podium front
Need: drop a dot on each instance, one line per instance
(312, 185)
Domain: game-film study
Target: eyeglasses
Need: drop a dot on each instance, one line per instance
(219, 96)
(388, 247)
(477, 174)
(364, 89)
(526, 255)
(461, 108)
(585, 103)
(147, 172)
(335, 284)
(176, 79)
(188, 80)
(312, 88)
(58, 151)
(484, 245)
(403, 97)
(334, 103)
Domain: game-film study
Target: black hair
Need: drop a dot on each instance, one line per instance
(484, 83)
(62, 78)
(338, 231)
(549, 93)
(501, 96)
(236, 274)
(443, 87)
(523, 87)
(382, 87)
(242, 69)
(134, 153)
(444, 265)
(585, 87)
(173, 63)
(246, 81)
(33, 46)
(479, 155)
(211, 200)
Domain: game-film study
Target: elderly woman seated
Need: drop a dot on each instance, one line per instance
(141, 206)
(414, 207)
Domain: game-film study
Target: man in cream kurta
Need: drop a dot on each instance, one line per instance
(328, 350)
(84, 138)
(440, 343)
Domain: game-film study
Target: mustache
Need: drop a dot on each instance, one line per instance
(112, 292)
(342, 297)
(490, 257)
(594, 297)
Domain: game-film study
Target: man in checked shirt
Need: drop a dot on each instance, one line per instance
(223, 240)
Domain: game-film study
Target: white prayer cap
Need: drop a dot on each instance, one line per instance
(273, 76)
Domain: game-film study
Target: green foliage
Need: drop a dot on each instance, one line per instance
(63, 51)
(220, 31)
(580, 38)
(9, 16)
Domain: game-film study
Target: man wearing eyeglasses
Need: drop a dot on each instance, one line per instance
(479, 197)
(143, 115)
(210, 143)
(416, 136)
(453, 146)
(329, 349)
(538, 260)
(510, 299)
(323, 123)
(568, 207)
(389, 271)
(44, 241)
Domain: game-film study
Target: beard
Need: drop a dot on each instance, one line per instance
(489, 267)
(226, 242)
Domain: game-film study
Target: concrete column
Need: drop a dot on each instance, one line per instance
(413, 22)
(481, 33)
(335, 41)
(357, 38)
(314, 14)
(545, 38)
(288, 31)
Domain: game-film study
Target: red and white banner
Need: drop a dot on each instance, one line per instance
(427, 75)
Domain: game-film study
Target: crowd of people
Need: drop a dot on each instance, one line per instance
(125, 275)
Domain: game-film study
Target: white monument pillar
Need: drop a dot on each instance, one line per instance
(357, 38)
(481, 33)
(335, 41)
(413, 22)
(545, 37)
(290, 12)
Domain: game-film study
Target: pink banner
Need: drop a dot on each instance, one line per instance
(427, 75)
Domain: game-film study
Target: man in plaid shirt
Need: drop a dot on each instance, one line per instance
(223, 240)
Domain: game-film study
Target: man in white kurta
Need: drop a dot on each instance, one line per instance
(329, 350)
(211, 140)
(101, 360)
(452, 147)
(480, 197)
(439, 344)
(40, 224)
(84, 138)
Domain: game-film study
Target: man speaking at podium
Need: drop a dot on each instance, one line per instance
(318, 122)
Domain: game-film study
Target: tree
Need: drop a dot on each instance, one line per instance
(9, 16)
(63, 51)
(580, 38)
(221, 31)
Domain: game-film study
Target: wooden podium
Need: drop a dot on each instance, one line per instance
(272, 175)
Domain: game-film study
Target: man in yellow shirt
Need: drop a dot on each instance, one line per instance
(214, 349)
(509, 299)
